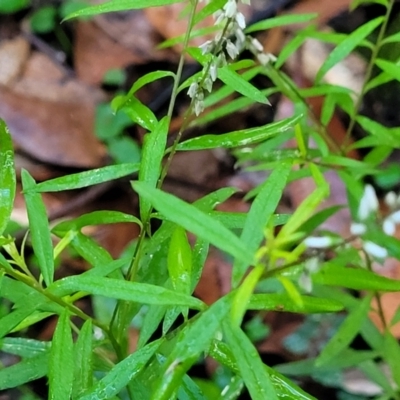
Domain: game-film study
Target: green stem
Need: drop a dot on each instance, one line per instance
(368, 74)
(122, 309)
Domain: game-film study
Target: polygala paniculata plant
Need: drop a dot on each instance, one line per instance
(298, 268)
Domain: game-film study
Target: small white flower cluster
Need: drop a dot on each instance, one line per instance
(366, 218)
(311, 265)
(368, 209)
(233, 41)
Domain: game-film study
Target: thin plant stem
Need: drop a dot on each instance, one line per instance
(368, 74)
(122, 309)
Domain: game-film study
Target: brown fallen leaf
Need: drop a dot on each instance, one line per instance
(13, 55)
(53, 132)
(114, 41)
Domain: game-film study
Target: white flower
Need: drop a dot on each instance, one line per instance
(213, 71)
(240, 37)
(265, 58)
(257, 45)
(312, 264)
(395, 217)
(375, 250)
(193, 88)
(221, 60)
(240, 20)
(305, 282)
(368, 203)
(389, 227)
(199, 102)
(357, 228)
(206, 47)
(391, 200)
(232, 49)
(246, 2)
(318, 242)
(230, 8)
(208, 83)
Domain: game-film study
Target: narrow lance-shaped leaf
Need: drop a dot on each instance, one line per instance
(61, 365)
(283, 302)
(180, 261)
(120, 5)
(332, 274)
(390, 68)
(240, 85)
(281, 21)
(347, 46)
(7, 176)
(193, 339)
(260, 213)
(346, 332)
(283, 386)
(95, 218)
(122, 290)
(39, 227)
(25, 371)
(243, 137)
(83, 372)
(195, 221)
(86, 178)
(252, 370)
(150, 167)
(121, 374)
(148, 78)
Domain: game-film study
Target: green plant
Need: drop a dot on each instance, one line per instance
(284, 270)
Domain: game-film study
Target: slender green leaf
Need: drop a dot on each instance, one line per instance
(283, 302)
(260, 213)
(180, 261)
(117, 289)
(346, 332)
(136, 110)
(347, 46)
(195, 221)
(25, 371)
(388, 136)
(346, 359)
(303, 213)
(390, 68)
(151, 322)
(243, 294)
(192, 341)
(7, 176)
(11, 320)
(285, 388)
(119, 5)
(281, 20)
(61, 364)
(86, 178)
(150, 168)
(243, 137)
(148, 78)
(121, 374)
(240, 85)
(395, 38)
(211, 200)
(95, 218)
(354, 278)
(392, 355)
(26, 348)
(189, 390)
(39, 227)
(83, 360)
(251, 368)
